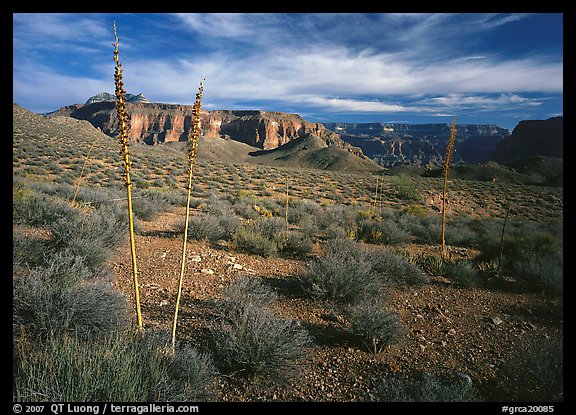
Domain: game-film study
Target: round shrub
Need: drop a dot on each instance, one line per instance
(373, 324)
(250, 341)
(342, 274)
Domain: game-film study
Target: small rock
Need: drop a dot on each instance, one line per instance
(207, 271)
(496, 320)
(451, 332)
(463, 377)
(195, 258)
(163, 303)
(238, 266)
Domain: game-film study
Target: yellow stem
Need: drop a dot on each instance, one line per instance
(195, 135)
(123, 128)
(81, 174)
(183, 260)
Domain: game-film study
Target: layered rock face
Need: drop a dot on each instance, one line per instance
(154, 123)
(398, 144)
(532, 138)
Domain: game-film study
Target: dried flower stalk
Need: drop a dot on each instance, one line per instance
(123, 126)
(193, 137)
(447, 160)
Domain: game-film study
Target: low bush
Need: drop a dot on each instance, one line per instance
(65, 295)
(428, 388)
(376, 327)
(252, 242)
(250, 341)
(394, 270)
(121, 367)
(295, 244)
(464, 273)
(342, 274)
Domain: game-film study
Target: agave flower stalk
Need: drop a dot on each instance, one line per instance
(447, 160)
(123, 126)
(73, 203)
(194, 135)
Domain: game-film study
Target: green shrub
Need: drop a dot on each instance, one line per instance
(295, 244)
(405, 188)
(391, 269)
(250, 341)
(382, 232)
(64, 296)
(120, 367)
(252, 242)
(373, 324)
(91, 236)
(426, 389)
(463, 273)
(342, 274)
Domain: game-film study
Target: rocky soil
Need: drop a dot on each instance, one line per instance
(487, 333)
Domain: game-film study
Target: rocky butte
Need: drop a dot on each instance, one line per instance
(154, 123)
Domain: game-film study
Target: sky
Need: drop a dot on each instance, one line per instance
(483, 68)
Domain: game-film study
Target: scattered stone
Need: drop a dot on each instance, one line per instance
(238, 266)
(496, 320)
(207, 271)
(463, 377)
(195, 258)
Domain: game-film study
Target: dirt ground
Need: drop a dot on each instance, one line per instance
(485, 332)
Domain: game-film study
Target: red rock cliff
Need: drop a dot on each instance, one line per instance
(156, 123)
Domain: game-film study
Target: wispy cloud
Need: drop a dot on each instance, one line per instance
(428, 63)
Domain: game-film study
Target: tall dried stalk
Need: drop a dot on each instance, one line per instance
(286, 210)
(123, 126)
(73, 202)
(194, 135)
(447, 160)
(502, 236)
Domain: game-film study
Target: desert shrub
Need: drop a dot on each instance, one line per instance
(148, 203)
(463, 273)
(91, 236)
(537, 371)
(415, 210)
(36, 209)
(426, 230)
(427, 388)
(295, 244)
(545, 270)
(433, 265)
(191, 374)
(460, 231)
(204, 227)
(383, 232)
(532, 251)
(243, 292)
(65, 296)
(251, 241)
(337, 215)
(122, 367)
(335, 231)
(376, 327)
(342, 274)
(261, 236)
(250, 341)
(405, 188)
(391, 269)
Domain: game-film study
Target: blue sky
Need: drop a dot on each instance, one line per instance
(399, 67)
